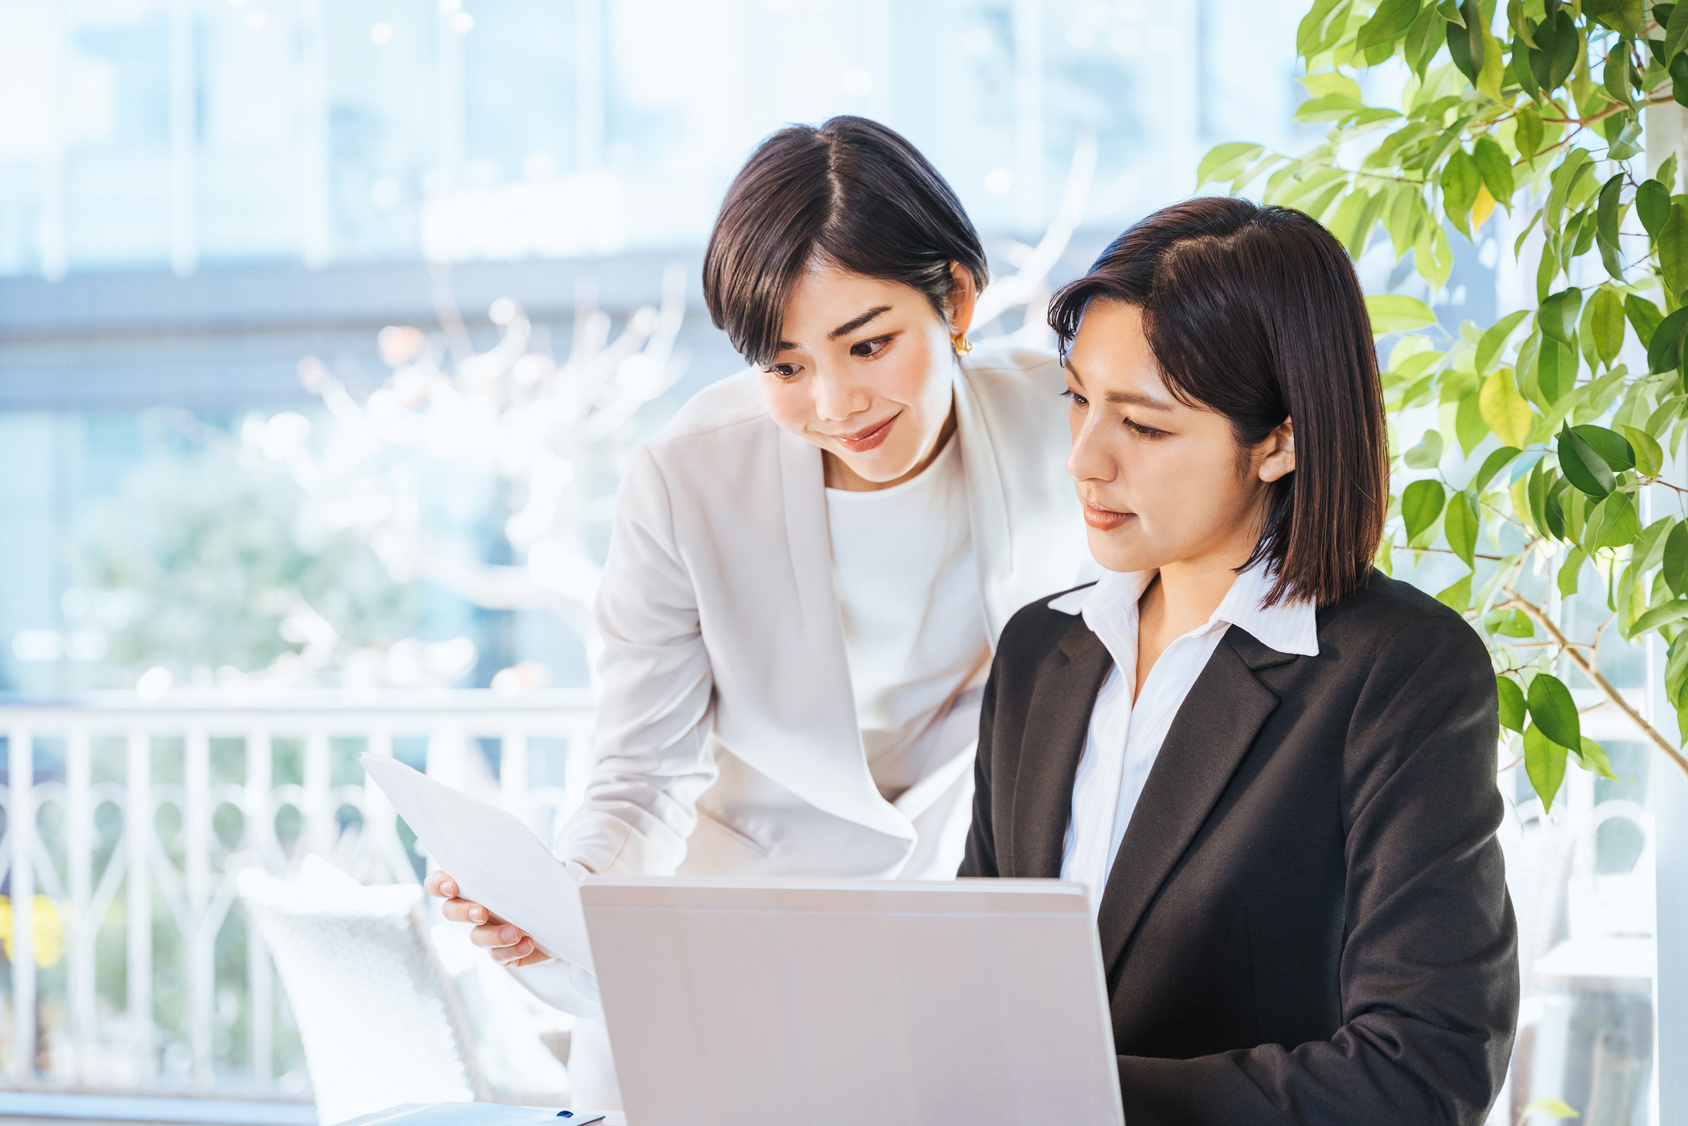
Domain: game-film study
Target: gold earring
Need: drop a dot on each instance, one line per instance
(961, 343)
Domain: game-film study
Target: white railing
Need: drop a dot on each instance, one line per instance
(110, 884)
(115, 807)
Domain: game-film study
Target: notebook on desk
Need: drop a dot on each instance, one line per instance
(772, 1003)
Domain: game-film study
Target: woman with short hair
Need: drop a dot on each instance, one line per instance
(810, 564)
(1273, 766)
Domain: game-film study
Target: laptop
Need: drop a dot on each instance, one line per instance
(785, 1002)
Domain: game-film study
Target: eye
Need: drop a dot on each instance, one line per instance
(1075, 398)
(785, 373)
(869, 349)
(1146, 432)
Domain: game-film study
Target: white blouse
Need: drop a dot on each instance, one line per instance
(1127, 730)
(913, 615)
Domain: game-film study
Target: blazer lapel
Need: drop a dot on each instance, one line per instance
(987, 505)
(1057, 720)
(837, 778)
(1207, 741)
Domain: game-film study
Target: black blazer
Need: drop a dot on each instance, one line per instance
(1307, 920)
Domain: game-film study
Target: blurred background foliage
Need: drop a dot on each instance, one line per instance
(1546, 458)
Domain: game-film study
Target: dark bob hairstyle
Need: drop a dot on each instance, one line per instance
(852, 193)
(1256, 313)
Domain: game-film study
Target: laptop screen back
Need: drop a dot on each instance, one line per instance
(774, 1003)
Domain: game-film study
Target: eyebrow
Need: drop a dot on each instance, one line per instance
(854, 323)
(850, 325)
(1126, 398)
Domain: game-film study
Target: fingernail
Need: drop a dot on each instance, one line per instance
(508, 934)
(478, 914)
(449, 888)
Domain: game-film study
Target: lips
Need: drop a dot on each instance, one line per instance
(1105, 519)
(863, 440)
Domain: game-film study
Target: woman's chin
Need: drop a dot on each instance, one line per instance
(1109, 552)
(880, 467)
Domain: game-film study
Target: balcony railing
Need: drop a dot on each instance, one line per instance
(127, 821)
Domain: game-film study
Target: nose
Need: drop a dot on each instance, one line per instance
(1089, 459)
(838, 397)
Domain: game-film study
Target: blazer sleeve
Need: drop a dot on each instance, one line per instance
(656, 702)
(1429, 971)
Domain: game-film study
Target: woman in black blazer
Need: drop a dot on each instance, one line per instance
(1302, 904)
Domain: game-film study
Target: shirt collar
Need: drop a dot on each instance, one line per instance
(1288, 627)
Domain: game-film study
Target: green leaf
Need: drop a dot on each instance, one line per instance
(1570, 572)
(1327, 82)
(1518, 69)
(1461, 182)
(1528, 136)
(1556, 370)
(1554, 711)
(1458, 596)
(1493, 464)
(1424, 39)
(1613, 523)
(1607, 324)
(1558, 314)
(1652, 201)
(1607, 214)
(1460, 525)
(1421, 503)
(1428, 453)
(1553, 514)
(1544, 762)
(1676, 31)
(1582, 467)
(1496, 169)
(1617, 72)
(1494, 340)
(1512, 713)
(1661, 615)
(1391, 19)
(1567, 180)
(1505, 410)
(1549, 1108)
(1643, 316)
(1676, 560)
(1673, 251)
(1592, 757)
(1309, 34)
(1560, 44)
(1664, 347)
(1511, 623)
(1649, 456)
(1394, 312)
(1465, 41)
(1226, 162)
(1469, 426)
(1622, 16)
(1611, 447)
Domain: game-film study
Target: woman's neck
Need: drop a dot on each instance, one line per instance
(1182, 597)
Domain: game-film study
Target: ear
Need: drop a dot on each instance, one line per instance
(964, 295)
(1274, 457)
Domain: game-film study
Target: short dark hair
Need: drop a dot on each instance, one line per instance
(1256, 313)
(851, 192)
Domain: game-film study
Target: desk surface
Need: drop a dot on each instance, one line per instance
(483, 1114)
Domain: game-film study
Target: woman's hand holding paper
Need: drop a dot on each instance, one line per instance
(506, 944)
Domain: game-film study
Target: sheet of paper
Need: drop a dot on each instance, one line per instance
(495, 859)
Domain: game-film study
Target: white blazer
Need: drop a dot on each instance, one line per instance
(726, 728)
